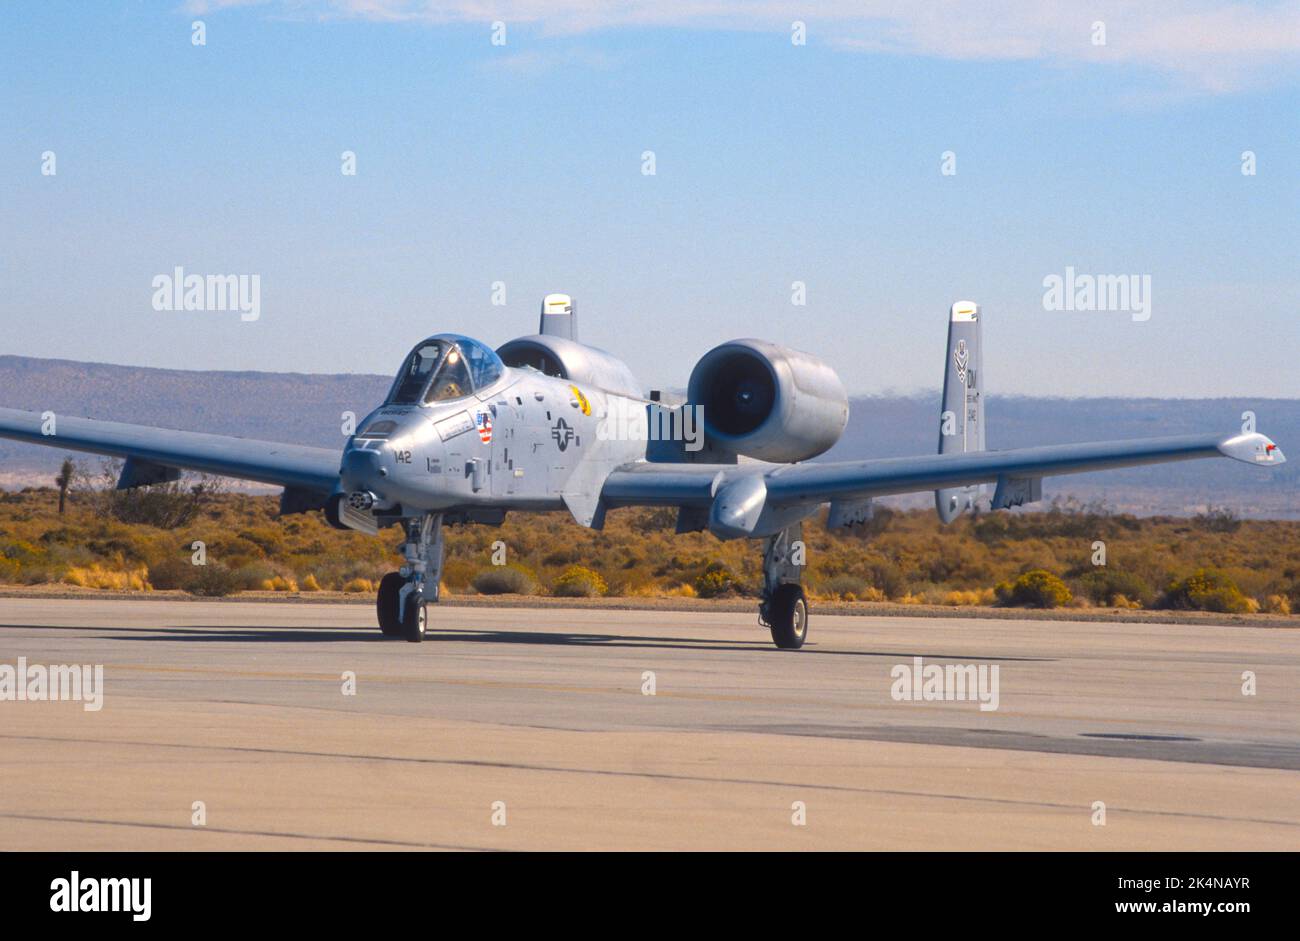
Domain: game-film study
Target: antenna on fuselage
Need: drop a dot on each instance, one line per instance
(559, 317)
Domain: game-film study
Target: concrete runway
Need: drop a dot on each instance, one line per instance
(240, 706)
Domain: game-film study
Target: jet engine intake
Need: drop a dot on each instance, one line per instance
(767, 402)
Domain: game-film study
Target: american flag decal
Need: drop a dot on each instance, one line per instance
(484, 423)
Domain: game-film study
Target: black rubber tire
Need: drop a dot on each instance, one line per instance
(413, 624)
(386, 604)
(788, 611)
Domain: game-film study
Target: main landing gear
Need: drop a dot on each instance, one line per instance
(404, 596)
(784, 608)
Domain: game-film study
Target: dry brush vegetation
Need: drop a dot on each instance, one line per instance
(144, 541)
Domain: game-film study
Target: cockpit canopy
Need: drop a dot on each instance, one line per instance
(443, 368)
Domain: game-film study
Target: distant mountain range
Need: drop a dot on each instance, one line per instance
(307, 409)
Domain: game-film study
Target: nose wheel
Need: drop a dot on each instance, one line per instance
(402, 604)
(415, 619)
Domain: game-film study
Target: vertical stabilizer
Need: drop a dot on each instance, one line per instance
(961, 416)
(559, 317)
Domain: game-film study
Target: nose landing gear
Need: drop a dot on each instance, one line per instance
(404, 597)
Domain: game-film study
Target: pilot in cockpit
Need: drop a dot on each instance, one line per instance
(452, 380)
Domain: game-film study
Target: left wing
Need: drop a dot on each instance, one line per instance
(760, 487)
(153, 452)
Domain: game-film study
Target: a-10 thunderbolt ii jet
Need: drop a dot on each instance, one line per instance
(545, 422)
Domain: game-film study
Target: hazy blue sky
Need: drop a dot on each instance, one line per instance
(774, 163)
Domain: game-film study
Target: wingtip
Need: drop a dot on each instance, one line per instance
(1252, 448)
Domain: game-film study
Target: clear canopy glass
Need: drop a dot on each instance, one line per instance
(444, 368)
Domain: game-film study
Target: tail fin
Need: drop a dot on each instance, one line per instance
(559, 317)
(961, 419)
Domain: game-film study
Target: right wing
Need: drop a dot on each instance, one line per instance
(773, 487)
(288, 465)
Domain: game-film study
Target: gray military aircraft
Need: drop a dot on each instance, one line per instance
(545, 422)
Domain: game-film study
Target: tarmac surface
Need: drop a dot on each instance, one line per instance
(532, 729)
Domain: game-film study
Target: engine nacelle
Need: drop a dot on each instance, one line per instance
(569, 359)
(767, 402)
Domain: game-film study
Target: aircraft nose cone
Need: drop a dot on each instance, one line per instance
(361, 470)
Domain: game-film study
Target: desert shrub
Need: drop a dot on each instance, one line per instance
(504, 580)
(1037, 588)
(565, 555)
(171, 573)
(981, 596)
(716, 580)
(846, 587)
(1291, 591)
(1063, 518)
(166, 506)
(267, 538)
(96, 576)
(23, 552)
(254, 574)
(1277, 604)
(660, 519)
(579, 582)
(214, 580)
(991, 529)
(310, 584)
(912, 558)
(279, 583)
(1217, 519)
(359, 586)
(1206, 590)
(886, 575)
(26, 563)
(1104, 585)
(459, 572)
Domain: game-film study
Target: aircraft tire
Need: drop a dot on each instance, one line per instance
(416, 620)
(788, 611)
(386, 604)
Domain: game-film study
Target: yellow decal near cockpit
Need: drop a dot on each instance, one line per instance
(582, 400)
